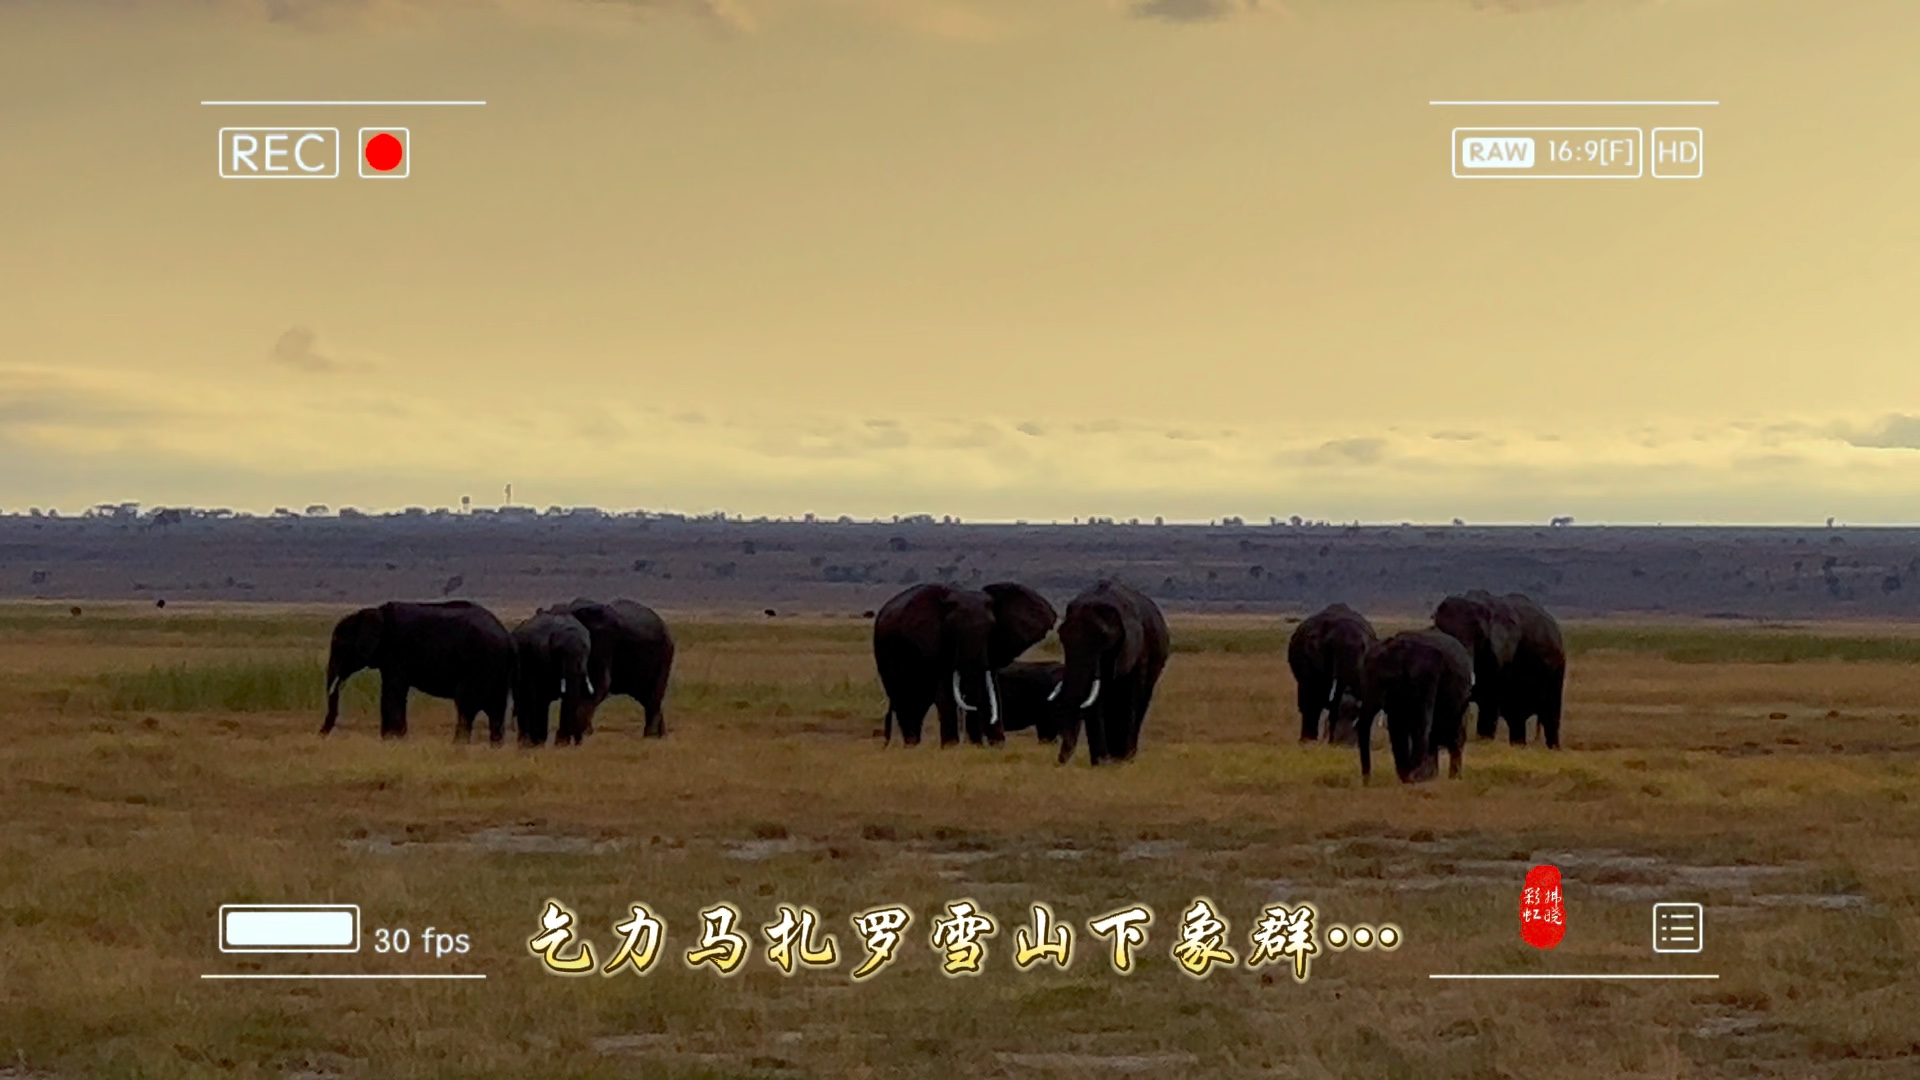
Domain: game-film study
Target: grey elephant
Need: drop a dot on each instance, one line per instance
(551, 654)
(1326, 653)
(1116, 645)
(451, 649)
(1422, 680)
(938, 646)
(1519, 661)
(632, 655)
(1027, 697)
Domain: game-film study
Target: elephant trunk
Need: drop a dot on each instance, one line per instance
(1077, 691)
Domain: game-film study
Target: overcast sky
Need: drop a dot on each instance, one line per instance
(994, 258)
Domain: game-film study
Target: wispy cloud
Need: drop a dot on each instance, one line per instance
(295, 349)
(1191, 11)
(1895, 431)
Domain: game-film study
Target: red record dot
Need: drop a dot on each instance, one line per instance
(384, 152)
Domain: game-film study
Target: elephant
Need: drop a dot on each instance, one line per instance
(1027, 697)
(1422, 679)
(933, 644)
(1519, 661)
(551, 655)
(1116, 646)
(1326, 654)
(632, 655)
(450, 649)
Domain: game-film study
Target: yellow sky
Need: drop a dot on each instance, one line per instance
(1000, 259)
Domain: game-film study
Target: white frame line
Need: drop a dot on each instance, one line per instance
(1581, 976)
(357, 976)
(1547, 102)
(343, 103)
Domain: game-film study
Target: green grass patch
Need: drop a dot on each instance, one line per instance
(243, 685)
(1700, 646)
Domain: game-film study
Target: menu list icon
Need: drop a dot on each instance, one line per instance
(1678, 928)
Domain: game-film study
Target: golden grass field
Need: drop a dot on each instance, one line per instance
(160, 763)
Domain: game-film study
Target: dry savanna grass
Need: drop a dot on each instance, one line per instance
(159, 764)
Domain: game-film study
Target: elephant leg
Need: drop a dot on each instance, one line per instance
(1098, 727)
(976, 727)
(1515, 711)
(533, 721)
(949, 711)
(1312, 697)
(1550, 716)
(656, 716)
(1129, 719)
(496, 720)
(1486, 705)
(393, 707)
(1453, 759)
(1138, 697)
(911, 714)
(1363, 731)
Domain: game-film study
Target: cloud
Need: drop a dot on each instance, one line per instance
(724, 14)
(1456, 436)
(1191, 11)
(1361, 451)
(1030, 428)
(359, 15)
(35, 400)
(1896, 431)
(295, 350)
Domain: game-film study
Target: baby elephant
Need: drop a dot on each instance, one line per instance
(1422, 679)
(1027, 691)
(550, 663)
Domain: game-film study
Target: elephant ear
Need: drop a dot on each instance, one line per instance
(1021, 619)
(369, 624)
(1503, 629)
(1131, 649)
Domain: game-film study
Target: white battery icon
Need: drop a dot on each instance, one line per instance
(289, 928)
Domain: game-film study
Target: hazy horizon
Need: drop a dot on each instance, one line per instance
(998, 260)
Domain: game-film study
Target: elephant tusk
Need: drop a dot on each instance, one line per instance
(959, 698)
(1333, 691)
(993, 702)
(1055, 696)
(589, 681)
(1092, 695)
(333, 687)
(563, 686)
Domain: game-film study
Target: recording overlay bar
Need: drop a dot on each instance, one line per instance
(289, 928)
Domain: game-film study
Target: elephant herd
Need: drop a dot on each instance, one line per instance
(576, 654)
(957, 651)
(1502, 654)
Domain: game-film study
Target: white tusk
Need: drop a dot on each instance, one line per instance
(589, 681)
(959, 698)
(993, 702)
(1055, 696)
(332, 687)
(1333, 691)
(563, 686)
(1092, 694)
